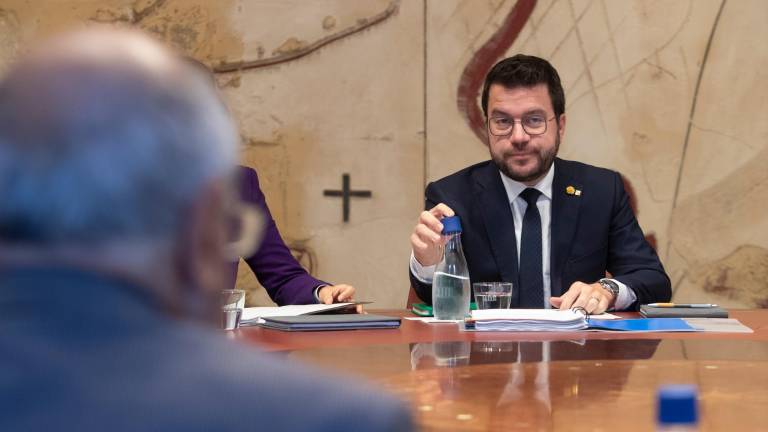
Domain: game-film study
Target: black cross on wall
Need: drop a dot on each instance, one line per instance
(345, 193)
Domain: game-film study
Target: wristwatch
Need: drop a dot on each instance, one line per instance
(611, 286)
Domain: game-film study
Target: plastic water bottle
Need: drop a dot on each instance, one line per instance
(450, 286)
(677, 409)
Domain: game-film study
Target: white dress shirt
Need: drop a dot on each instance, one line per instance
(544, 203)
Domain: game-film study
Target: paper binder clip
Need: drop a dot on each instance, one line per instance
(582, 310)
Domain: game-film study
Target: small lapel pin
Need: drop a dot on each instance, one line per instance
(570, 190)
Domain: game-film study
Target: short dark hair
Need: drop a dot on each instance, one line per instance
(525, 71)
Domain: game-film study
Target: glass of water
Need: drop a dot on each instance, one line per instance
(492, 295)
(232, 304)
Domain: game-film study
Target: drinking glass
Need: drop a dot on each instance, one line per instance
(492, 295)
(232, 304)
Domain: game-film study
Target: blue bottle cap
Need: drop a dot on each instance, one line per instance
(451, 224)
(676, 404)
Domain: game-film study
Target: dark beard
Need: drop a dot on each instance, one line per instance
(545, 163)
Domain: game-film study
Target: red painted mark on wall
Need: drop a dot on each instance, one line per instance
(650, 237)
(471, 81)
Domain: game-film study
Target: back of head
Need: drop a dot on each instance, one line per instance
(525, 71)
(106, 136)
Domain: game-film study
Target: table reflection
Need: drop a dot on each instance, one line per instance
(523, 389)
(473, 381)
(459, 353)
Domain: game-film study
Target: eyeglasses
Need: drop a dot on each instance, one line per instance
(534, 124)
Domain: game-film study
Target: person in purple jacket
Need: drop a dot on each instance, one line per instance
(285, 280)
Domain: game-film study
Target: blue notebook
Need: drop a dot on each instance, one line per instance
(642, 325)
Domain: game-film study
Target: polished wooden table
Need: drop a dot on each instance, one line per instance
(570, 381)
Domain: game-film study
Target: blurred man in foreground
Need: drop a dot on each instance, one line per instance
(115, 166)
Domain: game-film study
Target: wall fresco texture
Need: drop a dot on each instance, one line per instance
(668, 92)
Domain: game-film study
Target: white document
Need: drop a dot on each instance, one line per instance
(537, 314)
(528, 320)
(251, 315)
(531, 319)
(490, 314)
(547, 315)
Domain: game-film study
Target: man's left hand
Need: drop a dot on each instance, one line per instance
(592, 297)
(338, 294)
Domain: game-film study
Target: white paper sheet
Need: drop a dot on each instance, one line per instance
(433, 320)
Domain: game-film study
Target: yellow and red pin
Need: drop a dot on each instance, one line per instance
(570, 190)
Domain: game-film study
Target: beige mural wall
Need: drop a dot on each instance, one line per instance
(669, 92)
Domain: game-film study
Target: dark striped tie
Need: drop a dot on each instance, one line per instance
(531, 284)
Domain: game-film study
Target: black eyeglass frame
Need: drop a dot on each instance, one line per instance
(512, 128)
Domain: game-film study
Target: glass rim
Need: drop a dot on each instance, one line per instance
(493, 288)
(231, 296)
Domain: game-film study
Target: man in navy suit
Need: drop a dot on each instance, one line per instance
(116, 166)
(550, 226)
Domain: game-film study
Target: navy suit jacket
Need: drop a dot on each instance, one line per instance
(591, 233)
(285, 280)
(85, 352)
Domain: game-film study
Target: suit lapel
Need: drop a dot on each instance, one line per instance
(564, 219)
(499, 223)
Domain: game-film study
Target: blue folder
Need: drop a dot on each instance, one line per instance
(642, 325)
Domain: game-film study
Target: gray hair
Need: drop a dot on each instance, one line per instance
(105, 135)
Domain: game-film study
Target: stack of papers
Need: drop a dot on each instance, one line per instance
(528, 320)
(534, 320)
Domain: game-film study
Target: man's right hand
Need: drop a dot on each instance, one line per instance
(426, 240)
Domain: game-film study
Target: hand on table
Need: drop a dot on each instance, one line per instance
(592, 297)
(427, 240)
(338, 294)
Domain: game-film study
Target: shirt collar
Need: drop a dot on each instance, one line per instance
(514, 188)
